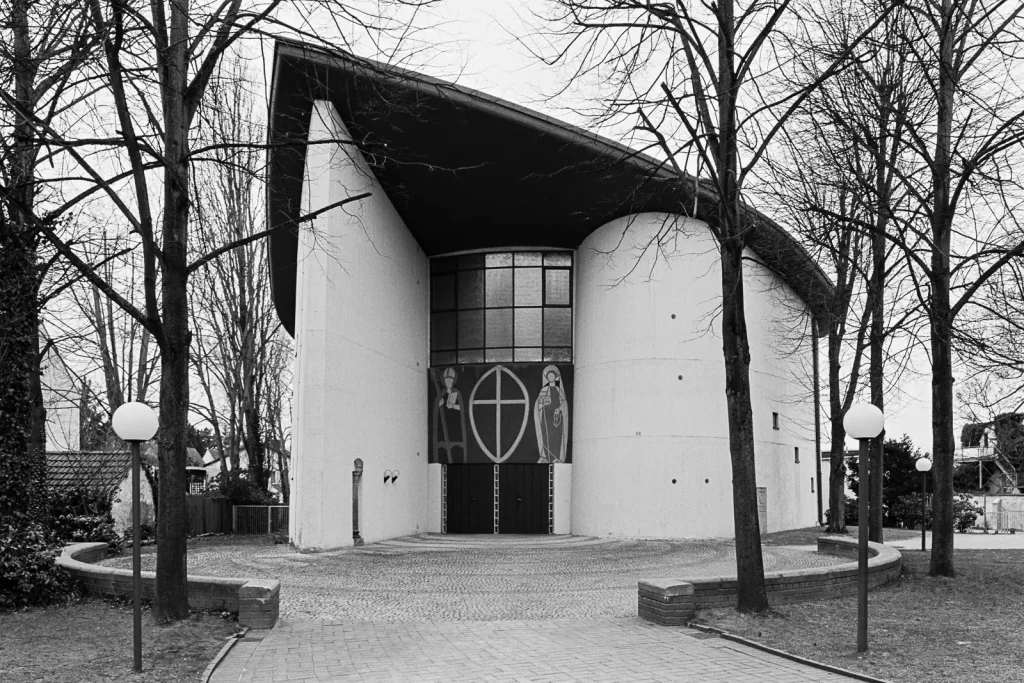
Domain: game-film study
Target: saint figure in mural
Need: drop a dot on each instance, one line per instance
(551, 417)
(449, 417)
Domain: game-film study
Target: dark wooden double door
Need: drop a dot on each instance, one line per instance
(521, 491)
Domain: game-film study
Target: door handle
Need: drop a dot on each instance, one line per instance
(519, 499)
(472, 499)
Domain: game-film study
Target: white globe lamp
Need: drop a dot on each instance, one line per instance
(923, 466)
(864, 421)
(136, 422)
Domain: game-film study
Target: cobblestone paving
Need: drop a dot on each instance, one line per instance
(431, 577)
(594, 650)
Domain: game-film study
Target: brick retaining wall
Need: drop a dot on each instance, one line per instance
(255, 601)
(673, 602)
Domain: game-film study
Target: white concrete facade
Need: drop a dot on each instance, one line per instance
(650, 443)
(650, 455)
(361, 354)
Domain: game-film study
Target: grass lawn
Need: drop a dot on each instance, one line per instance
(970, 628)
(92, 641)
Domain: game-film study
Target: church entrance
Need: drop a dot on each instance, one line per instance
(469, 499)
(523, 499)
(504, 499)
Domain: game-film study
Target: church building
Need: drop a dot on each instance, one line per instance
(506, 324)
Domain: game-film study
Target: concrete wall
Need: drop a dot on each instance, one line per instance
(361, 354)
(674, 602)
(256, 601)
(563, 498)
(435, 499)
(650, 441)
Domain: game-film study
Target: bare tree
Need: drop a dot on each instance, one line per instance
(134, 148)
(838, 184)
(967, 143)
(42, 48)
(237, 333)
(692, 77)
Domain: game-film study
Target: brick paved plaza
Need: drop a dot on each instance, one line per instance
(485, 608)
(434, 577)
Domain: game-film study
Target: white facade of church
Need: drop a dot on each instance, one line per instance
(649, 437)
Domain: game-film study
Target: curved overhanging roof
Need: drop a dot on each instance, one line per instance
(467, 171)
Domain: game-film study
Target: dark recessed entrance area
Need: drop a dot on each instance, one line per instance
(522, 492)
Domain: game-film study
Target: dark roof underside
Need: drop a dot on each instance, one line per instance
(468, 171)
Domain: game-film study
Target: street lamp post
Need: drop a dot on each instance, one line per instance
(136, 422)
(863, 422)
(923, 465)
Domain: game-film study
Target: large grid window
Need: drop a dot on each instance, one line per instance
(502, 307)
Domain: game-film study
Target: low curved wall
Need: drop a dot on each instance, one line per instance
(255, 601)
(673, 602)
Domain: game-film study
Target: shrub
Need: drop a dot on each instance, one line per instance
(965, 512)
(83, 528)
(29, 574)
(907, 512)
(78, 502)
(240, 490)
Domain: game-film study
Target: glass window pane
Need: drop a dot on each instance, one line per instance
(528, 324)
(498, 260)
(557, 327)
(558, 355)
(499, 287)
(471, 261)
(556, 288)
(471, 329)
(471, 289)
(528, 287)
(499, 327)
(557, 258)
(499, 355)
(475, 356)
(442, 331)
(527, 258)
(442, 358)
(443, 265)
(442, 292)
(528, 355)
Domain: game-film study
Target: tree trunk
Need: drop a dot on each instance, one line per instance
(735, 345)
(22, 413)
(876, 339)
(837, 458)
(940, 314)
(172, 526)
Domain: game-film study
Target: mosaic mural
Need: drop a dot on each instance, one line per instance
(515, 413)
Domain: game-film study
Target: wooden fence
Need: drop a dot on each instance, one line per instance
(208, 515)
(260, 519)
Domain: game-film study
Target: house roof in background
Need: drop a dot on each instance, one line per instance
(101, 471)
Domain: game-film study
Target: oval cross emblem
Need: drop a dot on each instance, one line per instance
(501, 419)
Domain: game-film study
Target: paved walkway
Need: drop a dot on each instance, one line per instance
(480, 608)
(972, 541)
(593, 650)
